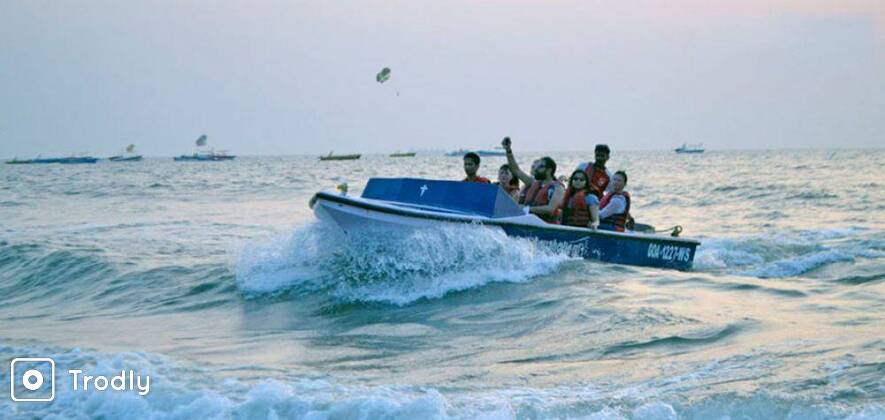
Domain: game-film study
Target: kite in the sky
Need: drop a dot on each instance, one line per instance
(383, 75)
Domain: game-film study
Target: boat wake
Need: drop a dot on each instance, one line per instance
(788, 254)
(394, 266)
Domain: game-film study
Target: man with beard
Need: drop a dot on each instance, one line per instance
(543, 192)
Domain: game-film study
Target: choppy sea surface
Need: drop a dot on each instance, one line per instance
(216, 280)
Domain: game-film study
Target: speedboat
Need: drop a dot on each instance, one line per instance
(416, 203)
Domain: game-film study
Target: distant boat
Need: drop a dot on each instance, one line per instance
(497, 151)
(127, 156)
(17, 161)
(330, 156)
(403, 154)
(210, 156)
(690, 148)
(65, 160)
(77, 160)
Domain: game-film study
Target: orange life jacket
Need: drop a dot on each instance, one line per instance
(539, 195)
(479, 179)
(619, 221)
(598, 179)
(574, 209)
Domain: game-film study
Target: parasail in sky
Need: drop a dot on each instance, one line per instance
(202, 140)
(383, 75)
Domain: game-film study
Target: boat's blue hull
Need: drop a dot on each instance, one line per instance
(394, 203)
(626, 248)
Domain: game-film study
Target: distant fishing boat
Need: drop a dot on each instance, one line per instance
(403, 154)
(690, 148)
(210, 156)
(77, 160)
(497, 151)
(331, 156)
(17, 161)
(38, 160)
(64, 160)
(127, 156)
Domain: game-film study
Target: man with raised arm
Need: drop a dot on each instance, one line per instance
(543, 192)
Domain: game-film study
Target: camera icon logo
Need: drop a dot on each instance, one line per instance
(27, 379)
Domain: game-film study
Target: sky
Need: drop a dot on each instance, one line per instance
(298, 77)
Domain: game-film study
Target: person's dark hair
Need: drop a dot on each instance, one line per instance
(582, 173)
(549, 163)
(472, 156)
(623, 174)
(603, 148)
(514, 180)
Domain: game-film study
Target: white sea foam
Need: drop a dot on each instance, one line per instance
(397, 266)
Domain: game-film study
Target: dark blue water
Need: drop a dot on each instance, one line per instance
(216, 279)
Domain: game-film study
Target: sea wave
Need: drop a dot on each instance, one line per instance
(39, 280)
(180, 390)
(395, 266)
(787, 254)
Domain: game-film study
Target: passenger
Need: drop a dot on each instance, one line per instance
(471, 165)
(543, 192)
(508, 182)
(597, 174)
(614, 209)
(579, 203)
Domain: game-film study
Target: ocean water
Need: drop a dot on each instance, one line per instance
(217, 281)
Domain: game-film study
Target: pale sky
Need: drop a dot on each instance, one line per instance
(297, 77)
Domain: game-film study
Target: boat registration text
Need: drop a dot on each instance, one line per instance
(669, 252)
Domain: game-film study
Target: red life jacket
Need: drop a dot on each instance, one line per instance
(619, 221)
(574, 209)
(479, 179)
(598, 179)
(509, 188)
(538, 195)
